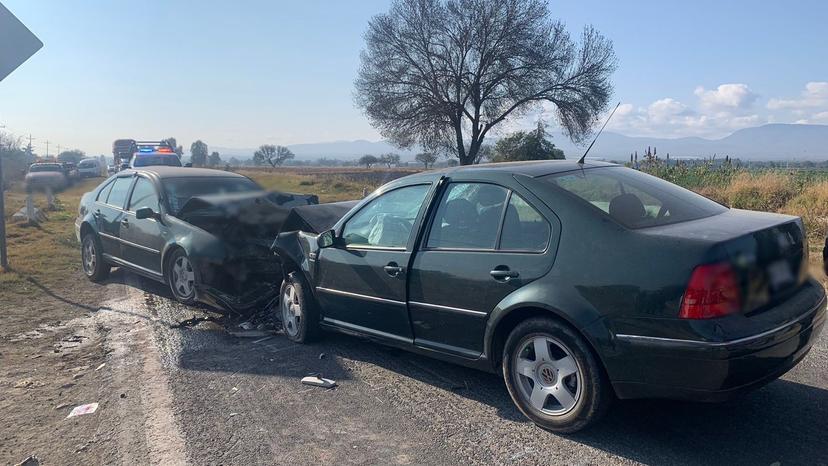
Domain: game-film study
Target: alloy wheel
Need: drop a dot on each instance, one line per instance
(291, 311)
(89, 259)
(183, 277)
(547, 375)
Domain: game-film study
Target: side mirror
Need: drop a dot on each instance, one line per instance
(326, 239)
(145, 212)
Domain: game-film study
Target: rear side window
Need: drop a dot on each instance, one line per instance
(468, 217)
(118, 194)
(524, 229)
(635, 199)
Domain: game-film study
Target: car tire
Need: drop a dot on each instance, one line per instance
(94, 266)
(563, 389)
(181, 277)
(297, 311)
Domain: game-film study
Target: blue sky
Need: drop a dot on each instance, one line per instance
(241, 74)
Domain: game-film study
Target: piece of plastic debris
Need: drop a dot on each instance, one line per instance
(317, 381)
(62, 405)
(321, 355)
(246, 326)
(234, 414)
(101, 366)
(234, 389)
(30, 461)
(77, 376)
(83, 409)
(263, 339)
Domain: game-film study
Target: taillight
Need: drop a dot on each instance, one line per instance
(713, 291)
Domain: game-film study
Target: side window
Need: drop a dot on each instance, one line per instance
(468, 217)
(104, 193)
(143, 195)
(524, 229)
(118, 193)
(387, 220)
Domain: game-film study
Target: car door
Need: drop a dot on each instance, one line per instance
(143, 239)
(109, 213)
(362, 277)
(484, 241)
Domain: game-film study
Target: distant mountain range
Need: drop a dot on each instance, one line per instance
(767, 142)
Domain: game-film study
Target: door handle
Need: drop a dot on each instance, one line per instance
(125, 222)
(504, 274)
(97, 213)
(392, 269)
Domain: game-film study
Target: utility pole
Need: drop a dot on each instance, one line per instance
(4, 260)
(47, 149)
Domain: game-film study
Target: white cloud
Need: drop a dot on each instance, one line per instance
(726, 96)
(814, 95)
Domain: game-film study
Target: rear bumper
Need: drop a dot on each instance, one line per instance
(715, 371)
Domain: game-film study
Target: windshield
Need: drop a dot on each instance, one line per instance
(148, 160)
(179, 190)
(635, 199)
(87, 164)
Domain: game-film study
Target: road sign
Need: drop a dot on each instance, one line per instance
(17, 43)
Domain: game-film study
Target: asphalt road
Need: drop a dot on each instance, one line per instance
(211, 398)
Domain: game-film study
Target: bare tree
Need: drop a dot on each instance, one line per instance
(443, 73)
(390, 159)
(426, 158)
(272, 155)
(368, 160)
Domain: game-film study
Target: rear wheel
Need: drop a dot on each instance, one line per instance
(553, 377)
(297, 310)
(94, 266)
(181, 277)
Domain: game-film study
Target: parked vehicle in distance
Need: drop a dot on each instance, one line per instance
(577, 282)
(70, 169)
(155, 158)
(89, 168)
(205, 233)
(46, 175)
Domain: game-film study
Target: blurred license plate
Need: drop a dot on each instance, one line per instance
(780, 274)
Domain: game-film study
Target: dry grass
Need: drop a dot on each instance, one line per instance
(812, 206)
(329, 184)
(760, 191)
(47, 253)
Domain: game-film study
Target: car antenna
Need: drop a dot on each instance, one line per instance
(583, 157)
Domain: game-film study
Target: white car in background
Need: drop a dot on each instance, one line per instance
(89, 168)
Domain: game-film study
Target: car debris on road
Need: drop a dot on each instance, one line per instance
(318, 381)
(83, 409)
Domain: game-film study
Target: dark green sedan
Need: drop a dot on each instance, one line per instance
(578, 283)
(205, 233)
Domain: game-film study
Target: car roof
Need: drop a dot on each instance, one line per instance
(533, 168)
(163, 171)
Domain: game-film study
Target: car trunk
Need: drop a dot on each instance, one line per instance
(768, 252)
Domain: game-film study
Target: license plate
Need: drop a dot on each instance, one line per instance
(780, 274)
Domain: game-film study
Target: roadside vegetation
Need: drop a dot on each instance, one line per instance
(799, 192)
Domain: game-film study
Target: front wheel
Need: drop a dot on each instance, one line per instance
(94, 266)
(181, 277)
(553, 376)
(297, 310)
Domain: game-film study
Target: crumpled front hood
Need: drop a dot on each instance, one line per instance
(243, 216)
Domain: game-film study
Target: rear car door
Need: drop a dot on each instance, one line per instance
(109, 212)
(362, 278)
(484, 242)
(143, 239)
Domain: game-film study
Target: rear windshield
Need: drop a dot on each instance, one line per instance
(45, 168)
(179, 190)
(635, 199)
(149, 160)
